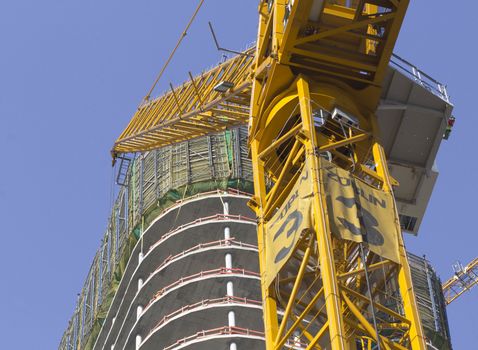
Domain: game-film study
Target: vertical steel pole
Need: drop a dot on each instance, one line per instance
(369, 290)
(338, 339)
(417, 339)
(268, 302)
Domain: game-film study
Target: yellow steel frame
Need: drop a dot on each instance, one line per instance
(464, 280)
(312, 59)
(191, 110)
(311, 56)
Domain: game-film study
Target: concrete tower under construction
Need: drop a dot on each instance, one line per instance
(178, 264)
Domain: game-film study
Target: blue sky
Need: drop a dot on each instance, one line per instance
(71, 75)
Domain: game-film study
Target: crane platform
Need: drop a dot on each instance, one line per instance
(413, 115)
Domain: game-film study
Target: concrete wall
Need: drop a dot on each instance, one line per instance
(194, 270)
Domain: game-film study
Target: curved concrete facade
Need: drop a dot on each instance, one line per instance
(192, 282)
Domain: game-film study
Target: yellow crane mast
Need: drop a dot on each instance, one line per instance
(334, 271)
(317, 76)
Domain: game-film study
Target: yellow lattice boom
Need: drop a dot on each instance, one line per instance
(465, 279)
(209, 102)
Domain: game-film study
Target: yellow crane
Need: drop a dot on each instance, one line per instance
(331, 251)
(465, 278)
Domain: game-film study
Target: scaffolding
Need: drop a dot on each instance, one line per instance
(431, 302)
(149, 184)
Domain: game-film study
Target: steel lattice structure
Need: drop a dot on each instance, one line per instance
(338, 58)
(465, 278)
(312, 58)
(193, 109)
